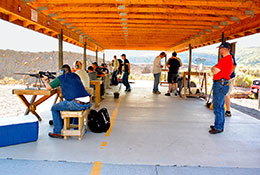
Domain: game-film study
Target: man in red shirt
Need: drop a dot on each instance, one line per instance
(221, 75)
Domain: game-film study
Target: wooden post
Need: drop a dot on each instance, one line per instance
(259, 99)
(165, 61)
(104, 58)
(189, 68)
(85, 57)
(60, 49)
(97, 56)
(233, 48)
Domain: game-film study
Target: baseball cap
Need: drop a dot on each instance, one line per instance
(225, 45)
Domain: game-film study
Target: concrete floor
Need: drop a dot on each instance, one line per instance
(152, 134)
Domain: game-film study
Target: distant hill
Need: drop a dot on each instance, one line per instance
(31, 62)
(245, 57)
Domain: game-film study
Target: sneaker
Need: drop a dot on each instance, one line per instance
(157, 92)
(128, 90)
(168, 94)
(176, 93)
(228, 114)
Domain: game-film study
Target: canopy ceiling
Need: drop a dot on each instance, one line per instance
(138, 24)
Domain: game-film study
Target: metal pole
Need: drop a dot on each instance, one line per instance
(60, 49)
(104, 58)
(85, 56)
(222, 40)
(97, 56)
(189, 68)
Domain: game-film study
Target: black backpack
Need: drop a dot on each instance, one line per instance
(98, 121)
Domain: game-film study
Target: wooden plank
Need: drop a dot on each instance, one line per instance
(234, 29)
(146, 9)
(10, 7)
(34, 92)
(73, 21)
(71, 15)
(198, 3)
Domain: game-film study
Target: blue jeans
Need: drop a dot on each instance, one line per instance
(219, 93)
(156, 81)
(64, 106)
(125, 80)
(114, 78)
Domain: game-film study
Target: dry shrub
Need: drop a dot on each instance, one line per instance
(11, 80)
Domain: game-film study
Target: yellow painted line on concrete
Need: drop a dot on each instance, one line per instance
(104, 143)
(113, 118)
(96, 169)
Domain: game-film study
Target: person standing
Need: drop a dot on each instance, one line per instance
(231, 85)
(157, 68)
(126, 73)
(75, 95)
(221, 76)
(174, 64)
(115, 71)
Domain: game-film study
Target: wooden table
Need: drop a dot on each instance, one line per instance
(31, 107)
(204, 82)
(97, 84)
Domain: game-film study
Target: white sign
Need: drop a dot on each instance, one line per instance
(34, 15)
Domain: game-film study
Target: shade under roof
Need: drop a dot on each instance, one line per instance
(140, 24)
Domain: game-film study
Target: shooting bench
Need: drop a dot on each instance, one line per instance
(80, 128)
(31, 106)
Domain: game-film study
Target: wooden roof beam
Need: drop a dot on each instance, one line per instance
(138, 21)
(231, 30)
(143, 16)
(199, 3)
(158, 9)
(20, 12)
(160, 26)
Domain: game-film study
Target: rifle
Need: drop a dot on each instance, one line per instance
(40, 75)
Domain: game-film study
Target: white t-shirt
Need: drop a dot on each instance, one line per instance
(84, 77)
(157, 65)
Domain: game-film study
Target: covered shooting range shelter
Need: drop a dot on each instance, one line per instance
(169, 25)
(145, 134)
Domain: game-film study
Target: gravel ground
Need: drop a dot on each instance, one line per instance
(247, 106)
(11, 105)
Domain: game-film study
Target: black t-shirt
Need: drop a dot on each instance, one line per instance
(98, 70)
(126, 62)
(105, 70)
(174, 66)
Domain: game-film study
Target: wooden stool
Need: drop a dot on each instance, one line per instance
(67, 115)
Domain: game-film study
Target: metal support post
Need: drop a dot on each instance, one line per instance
(189, 68)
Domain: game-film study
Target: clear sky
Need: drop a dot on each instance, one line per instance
(17, 38)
